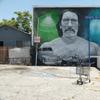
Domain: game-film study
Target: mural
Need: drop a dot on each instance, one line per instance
(67, 35)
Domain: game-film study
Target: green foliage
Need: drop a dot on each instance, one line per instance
(11, 22)
(23, 21)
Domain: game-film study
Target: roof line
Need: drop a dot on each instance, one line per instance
(64, 6)
(14, 29)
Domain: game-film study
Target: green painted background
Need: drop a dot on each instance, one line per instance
(46, 25)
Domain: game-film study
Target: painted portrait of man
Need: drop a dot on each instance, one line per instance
(68, 45)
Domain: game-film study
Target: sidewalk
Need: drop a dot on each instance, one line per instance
(46, 83)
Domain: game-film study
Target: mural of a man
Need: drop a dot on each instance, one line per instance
(69, 44)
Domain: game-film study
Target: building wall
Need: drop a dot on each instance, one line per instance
(9, 36)
(19, 56)
(53, 49)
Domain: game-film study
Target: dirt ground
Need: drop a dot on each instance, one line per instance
(47, 83)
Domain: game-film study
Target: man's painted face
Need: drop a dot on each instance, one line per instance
(69, 24)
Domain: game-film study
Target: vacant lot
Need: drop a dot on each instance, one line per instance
(46, 83)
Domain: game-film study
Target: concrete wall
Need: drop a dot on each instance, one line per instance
(19, 55)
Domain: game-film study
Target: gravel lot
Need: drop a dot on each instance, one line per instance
(46, 83)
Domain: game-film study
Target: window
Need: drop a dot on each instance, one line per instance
(1, 43)
(19, 43)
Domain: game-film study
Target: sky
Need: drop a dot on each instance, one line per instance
(8, 7)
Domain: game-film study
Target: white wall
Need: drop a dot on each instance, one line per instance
(19, 55)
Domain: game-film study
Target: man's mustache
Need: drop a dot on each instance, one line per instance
(69, 29)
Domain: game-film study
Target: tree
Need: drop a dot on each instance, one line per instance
(24, 20)
(10, 22)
